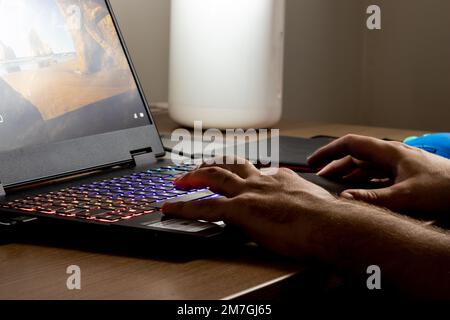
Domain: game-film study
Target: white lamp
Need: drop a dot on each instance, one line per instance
(226, 62)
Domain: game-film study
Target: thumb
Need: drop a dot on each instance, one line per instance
(380, 197)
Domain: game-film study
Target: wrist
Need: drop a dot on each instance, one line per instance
(322, 225)
(341, 227)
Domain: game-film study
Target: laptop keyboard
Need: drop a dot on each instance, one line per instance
(113, 200)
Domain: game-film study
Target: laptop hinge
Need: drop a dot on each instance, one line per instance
(144, 159)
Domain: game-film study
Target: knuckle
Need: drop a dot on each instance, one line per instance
(286, 171)
(397, 144)
(213, 171)
(373, 196)
(350, 138)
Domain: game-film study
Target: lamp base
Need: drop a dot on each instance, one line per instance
(223, 118)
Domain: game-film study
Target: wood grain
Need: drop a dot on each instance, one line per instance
(36, 272)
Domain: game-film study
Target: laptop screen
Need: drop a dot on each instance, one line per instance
(63, 73)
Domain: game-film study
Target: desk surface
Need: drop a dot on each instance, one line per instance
(39, 272)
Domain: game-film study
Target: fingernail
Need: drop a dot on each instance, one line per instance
(322, 172)
(347, 196)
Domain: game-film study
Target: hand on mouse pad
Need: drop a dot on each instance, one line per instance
(417, 181)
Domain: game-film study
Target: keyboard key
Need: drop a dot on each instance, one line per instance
(45, 210)
(27, 208)
(108, 218)
(91, 213)
(112, 200)
(144, 209)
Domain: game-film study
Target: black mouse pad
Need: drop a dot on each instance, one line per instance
(293, 152)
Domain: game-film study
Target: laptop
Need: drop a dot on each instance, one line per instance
(78, 145)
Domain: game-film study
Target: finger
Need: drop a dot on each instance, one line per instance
(220, 209)
(359, 176)
(339, 168)
(387, 197)
(368, 149)
(242, 167)
(352, 170)
(362, 175)
(212, 210)
(218, 180)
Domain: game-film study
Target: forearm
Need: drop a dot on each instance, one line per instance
(413, 258)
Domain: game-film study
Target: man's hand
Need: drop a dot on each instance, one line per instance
(417, 181)
(281, 211)
(291, 216)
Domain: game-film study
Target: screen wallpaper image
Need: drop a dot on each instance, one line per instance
(63, 73)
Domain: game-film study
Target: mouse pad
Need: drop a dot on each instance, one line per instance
(293, 152)
(337, 187)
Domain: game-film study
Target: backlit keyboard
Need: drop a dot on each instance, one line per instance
(112, 200)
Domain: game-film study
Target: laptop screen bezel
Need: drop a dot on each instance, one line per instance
(44, 162)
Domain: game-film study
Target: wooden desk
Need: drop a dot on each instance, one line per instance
(39, 272)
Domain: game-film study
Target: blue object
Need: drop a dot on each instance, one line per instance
(437, 143)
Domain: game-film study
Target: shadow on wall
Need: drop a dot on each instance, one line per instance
(337, 70)
(407, 66)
